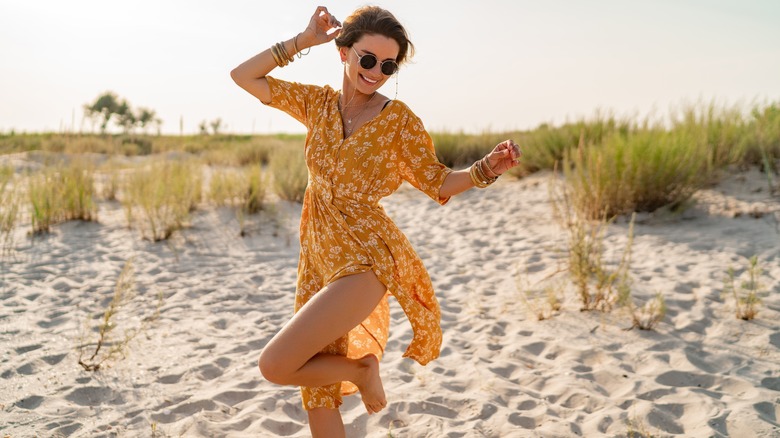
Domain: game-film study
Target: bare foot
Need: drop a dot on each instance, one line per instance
(370, 384)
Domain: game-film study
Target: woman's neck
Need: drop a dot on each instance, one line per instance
(350, 96)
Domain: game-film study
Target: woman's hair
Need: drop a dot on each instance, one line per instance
(375, 21)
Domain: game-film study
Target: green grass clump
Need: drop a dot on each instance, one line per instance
(61, 193)
(245, 152)
(289, 173)
(547, 145)
(640, 172)
(720, 132)
(158, 199)
(243, 189)
(255, 189)
(747, 296)
(78, 191)
(225, 187)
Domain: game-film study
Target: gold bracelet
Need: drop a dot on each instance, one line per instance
(282, 55)
(474, 173)
(478, 176)
(277, 58)
(481, 173)
(483, 163)
(283, 50)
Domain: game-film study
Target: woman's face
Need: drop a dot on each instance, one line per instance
(383, 48)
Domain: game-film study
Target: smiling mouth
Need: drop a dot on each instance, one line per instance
(372, 82)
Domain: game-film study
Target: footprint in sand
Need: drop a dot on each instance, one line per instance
(28, 348)
(232, 398)
(30, 403)
(768, 412)
(54, 359)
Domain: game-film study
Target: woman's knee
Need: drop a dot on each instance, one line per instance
(272, 367)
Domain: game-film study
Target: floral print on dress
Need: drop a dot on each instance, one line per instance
(345, 231)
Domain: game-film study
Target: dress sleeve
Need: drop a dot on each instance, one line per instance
(417, 159)
(297, 100)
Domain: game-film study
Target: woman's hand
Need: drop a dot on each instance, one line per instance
(503, 157)
(323, 27)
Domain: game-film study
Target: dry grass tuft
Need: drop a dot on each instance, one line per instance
(289, 172)
(597, 286)
(108, 347)
(544, 303)
(159, 198)
(747, 296)
(243, 189)
(61, 193)
(9, 210)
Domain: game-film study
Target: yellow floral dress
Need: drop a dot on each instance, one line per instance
(345, 231)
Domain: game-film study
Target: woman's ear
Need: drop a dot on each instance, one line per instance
(343, 54)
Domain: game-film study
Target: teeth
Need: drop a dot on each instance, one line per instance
(368, 80)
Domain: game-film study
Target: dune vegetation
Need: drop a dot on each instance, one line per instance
(612, 166)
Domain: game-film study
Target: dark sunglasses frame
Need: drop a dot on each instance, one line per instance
(368, 61)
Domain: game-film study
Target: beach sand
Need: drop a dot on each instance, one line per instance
(191, 369)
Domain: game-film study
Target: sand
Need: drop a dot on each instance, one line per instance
(191, 370)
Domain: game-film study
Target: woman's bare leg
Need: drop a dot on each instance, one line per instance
(326, 423)
(292, 356)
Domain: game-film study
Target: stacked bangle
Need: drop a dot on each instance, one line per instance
(280, 55)
(479, 176)
(282, 58)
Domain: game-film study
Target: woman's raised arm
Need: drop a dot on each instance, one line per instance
(250, 75)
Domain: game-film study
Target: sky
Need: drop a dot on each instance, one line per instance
(480, 65)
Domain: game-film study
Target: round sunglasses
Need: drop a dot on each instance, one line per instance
(368, 61)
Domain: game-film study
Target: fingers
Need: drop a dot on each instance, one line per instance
(326, 17)
(512, 150)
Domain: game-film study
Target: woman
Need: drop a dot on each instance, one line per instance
(360, 147)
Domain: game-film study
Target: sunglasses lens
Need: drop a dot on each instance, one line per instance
(389, 67)
(368, 61)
